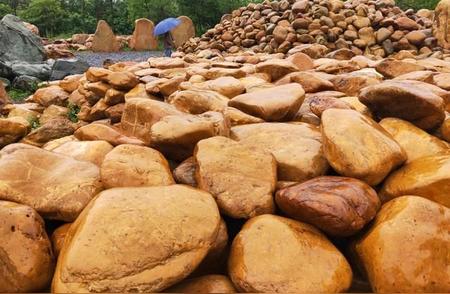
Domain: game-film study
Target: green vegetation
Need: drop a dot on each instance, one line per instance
(417, 4)
(34, 123)
(18, 95)
(66, 17)
(73, 112)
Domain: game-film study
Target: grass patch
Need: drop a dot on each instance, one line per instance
(73, 112)
(18, 95)
(34, 123)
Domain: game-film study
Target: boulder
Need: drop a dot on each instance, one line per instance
(51, 130)
(18, 42)
(91, 151)
(338, 206)
(184, 31)
(273, 104)
(179, 225)
(53, 95)
(241, 178)
(227, 86)
(400, 99)
(204, 284)
(418, 265)
(104, 39)
(66, 67)
(135, 166)
(56, 186)
(26, 83)
(297, 148)
(428, 177)
(392, 68)
(185, 172)
(101, 132)
(357, 147)
(441, 23)
(276, 68)
(27, 259)
(297, 251)
(12, 130)
(416, 142)
(198, 101)
(58, 237)
(40, 71)
(143, 38)
(53, 112)
(177, 135)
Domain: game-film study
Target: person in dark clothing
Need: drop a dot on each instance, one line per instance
(169, 44)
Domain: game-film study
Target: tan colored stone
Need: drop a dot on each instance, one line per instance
(143, 38)
(91, 151)
(445, 129)
(51, 130)
(227, 86)
(441, 23)
(58, 142)
(101, 132)
(123, 80)
(358, 147)
(297, 148)
(310, 81)
(276, 68)
(241, 178)
(135, 166)
(51, 95)
(58, 237)
(97, 74)
(179, 225)
(182, 33)
(70, 83)
(305, 260)
(351, 84)
(273, 104)
(428, 177)
(416, 142)
(401, 99)
(27, 259)
(104, 39)
(12, 130)
(53, 112)
(57, 186)
(420, 263)
(177, 135)
(140, 114)
(391, 68)
(237, 117)
(198, 101)
(185, 172)
(204, 284)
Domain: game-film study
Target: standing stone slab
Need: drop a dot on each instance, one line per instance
(441, 24)
(104, 39)
(143, 38)
(184, 31)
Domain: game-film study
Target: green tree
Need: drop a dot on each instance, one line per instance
(4, 10)
(155, 10)
(417, 4)
(48, 15)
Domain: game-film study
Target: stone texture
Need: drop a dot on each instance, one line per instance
(104, 39)
(27, 259)
(338, 206)
(91, 151)
(101, 132)
(184, 31)
(12, 130)
(56, 186)
(305, 260)
(204, 284)
(418, 265)
(135, 166)
(358, 147)
(159, 242)
(241, 178)
(143, 38)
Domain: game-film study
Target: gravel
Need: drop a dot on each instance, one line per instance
(96, 59)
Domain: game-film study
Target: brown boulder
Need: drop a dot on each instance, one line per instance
(182, 33)
(336, 205)
(297, 148)
(272, 104)
(440, 24)
(401, 99)
(53, 129)
(185, 172)
(241, 178)
(122, 80)
(198, 101)
(12, 130)
(57, 186)
(227, 86)
(101, 132)
(392, 68)
(310, 81)
(176, 240)
(58, 237)
(237, 117)
(135, 166)
(419, 263)
(270, 248)
(53, 112)
(27, 259)
(351, 84)
(204, 284)
(143, 38)
(104, 39)
(358, 147)
(91, 151)
(416, 142)
(428, 177)
(276, 68)
(177, 135)
(51, 95)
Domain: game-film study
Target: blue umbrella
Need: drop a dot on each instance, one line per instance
(166, 26)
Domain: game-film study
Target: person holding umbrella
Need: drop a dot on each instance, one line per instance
(164, 28)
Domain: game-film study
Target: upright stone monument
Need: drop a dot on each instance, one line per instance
(441, 24)
(184, 31)
(104, 39)
(143, 38)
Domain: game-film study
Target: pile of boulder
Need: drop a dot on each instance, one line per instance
(24, 60)
(222, 174)
(370, 27)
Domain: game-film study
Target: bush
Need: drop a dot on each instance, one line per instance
(48, 15)
(417, 4)
(4, 10)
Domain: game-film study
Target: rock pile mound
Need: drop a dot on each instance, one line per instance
(246, 173)
(371, 27)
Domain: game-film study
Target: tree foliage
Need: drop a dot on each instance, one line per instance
(55, 17)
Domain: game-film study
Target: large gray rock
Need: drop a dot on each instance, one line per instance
(27, 83)
(38, 70)
(5, 69)
(66, 67)
(18, 42)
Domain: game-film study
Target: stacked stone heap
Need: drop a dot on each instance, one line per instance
(250, 173)
(371, 27)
